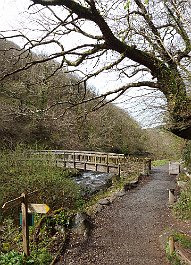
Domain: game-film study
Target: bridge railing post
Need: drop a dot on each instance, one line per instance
(74, 159)
(107, 162)
(85, 166)
(64, 160)
(95, 160)
(119, 170)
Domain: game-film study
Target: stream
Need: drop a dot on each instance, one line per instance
(93, 181)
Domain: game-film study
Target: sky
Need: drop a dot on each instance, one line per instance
(10, 11)
(13, 15)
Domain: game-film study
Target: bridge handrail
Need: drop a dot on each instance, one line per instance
(76, 152)
(88, 153)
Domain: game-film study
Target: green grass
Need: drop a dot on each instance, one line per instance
(157, 163)
(183, 239)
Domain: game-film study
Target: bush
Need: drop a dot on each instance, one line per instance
(46, 237)
(36, 258)
(12, 258)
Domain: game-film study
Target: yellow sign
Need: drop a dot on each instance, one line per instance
(38, 208)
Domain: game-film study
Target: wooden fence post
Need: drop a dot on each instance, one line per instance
(107, 162)
(25, 226)
(171, 245)
(150, 164)
(85, 166)
(119, 169)
(74, 157)
(171, 196)
(64, 160)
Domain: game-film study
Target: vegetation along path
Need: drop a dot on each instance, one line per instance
(127, 231)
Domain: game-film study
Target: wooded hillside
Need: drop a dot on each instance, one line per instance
(55, 112)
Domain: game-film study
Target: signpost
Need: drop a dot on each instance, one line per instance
(26, 208)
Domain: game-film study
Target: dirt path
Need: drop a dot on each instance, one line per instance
(127, 232)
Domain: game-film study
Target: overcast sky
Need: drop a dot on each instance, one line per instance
(10, 10)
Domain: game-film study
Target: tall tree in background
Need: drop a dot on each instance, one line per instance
(148, 41)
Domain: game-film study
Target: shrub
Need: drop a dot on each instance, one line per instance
(12, 258)
(41, 257)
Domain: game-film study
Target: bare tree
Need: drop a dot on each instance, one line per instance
(148, 43)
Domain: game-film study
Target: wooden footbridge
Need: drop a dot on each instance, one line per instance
(118, 164)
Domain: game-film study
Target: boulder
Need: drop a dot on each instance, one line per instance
(81, 224)
(104, 201)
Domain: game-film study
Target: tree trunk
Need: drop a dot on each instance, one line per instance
(179, 103)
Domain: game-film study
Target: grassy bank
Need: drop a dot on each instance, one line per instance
(55, 188)
(55, 185)
(181, 210)
(157, 163)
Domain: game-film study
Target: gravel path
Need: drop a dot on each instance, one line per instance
(127, 231)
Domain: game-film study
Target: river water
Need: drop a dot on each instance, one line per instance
(92, 180)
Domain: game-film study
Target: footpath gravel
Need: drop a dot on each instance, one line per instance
(128, 230)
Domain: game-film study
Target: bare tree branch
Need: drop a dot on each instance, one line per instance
(136, 40)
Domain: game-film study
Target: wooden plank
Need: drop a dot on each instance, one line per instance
(16, 200)
(171, 196)
(13, 202)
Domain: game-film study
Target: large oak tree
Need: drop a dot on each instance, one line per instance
(147, 42)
